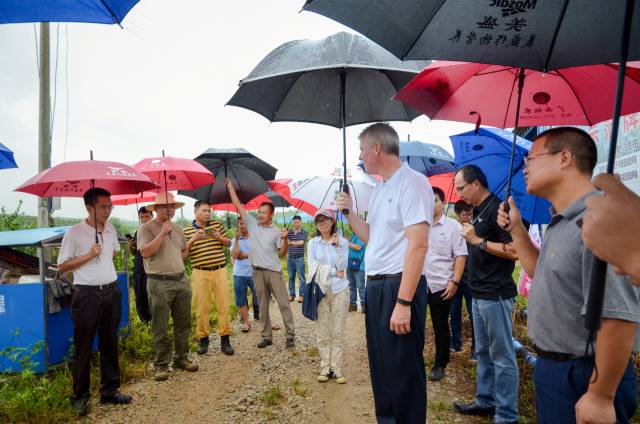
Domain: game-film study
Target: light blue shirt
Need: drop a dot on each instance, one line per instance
(242, 267)
(325, 253)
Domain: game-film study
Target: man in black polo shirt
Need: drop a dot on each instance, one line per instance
(491, 263)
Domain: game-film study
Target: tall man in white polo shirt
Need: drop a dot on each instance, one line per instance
(444, 266)
(396, 233)
(95, 305)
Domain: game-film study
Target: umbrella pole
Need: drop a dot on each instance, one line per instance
(515, 135)
(593, 318)
(343, 116)
(95, 215)
(225, 181)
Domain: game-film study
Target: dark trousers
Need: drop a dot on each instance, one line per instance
(398, 377)
(464, 291)
(559, 386)
(142, 297)
(94, 310)
(440, 310)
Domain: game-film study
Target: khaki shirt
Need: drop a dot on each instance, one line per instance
(168, 258)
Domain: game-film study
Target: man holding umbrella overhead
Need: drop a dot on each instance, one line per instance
(266, 240)
(396, 233)
(572, 384)
(96, 299)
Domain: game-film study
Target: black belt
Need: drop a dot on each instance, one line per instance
(397, 276)
(97, 286)
(556, 356)
(166, 277)
(259, 268)
(209, 268)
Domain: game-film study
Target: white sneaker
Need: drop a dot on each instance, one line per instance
(323, 378)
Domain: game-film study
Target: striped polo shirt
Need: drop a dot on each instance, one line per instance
(207, 252)
(297, 251)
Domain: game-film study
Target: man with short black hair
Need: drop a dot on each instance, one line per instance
(268, 245)
(397, 236)
(88, 249)
(491, 262)
(571, 383)
(295, 263)
(443, 268)
(209, 276)
(464, 212)
(139, 274)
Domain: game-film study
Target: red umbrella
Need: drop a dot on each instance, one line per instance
(445, 183)
(175, 173)
(130, 199)
(582, 95)
(73, 179)
(281, 186)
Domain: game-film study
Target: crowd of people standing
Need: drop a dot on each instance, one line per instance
(405, 258)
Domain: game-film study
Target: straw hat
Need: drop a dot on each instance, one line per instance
(162, 199)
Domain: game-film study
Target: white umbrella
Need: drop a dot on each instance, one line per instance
(322, 191)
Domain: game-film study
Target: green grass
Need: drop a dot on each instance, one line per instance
(312, 352)
(300, 388)
(272, 396)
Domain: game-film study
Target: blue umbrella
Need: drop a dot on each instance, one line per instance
(490, 150)
(91, 11)
(6, 158)
(428, 159)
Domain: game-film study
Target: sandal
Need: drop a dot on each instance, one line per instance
(245, 328)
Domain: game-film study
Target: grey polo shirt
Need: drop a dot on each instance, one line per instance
(558, 295)
(265, 242)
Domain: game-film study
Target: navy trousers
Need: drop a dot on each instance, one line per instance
(559, 386)
(396, 363)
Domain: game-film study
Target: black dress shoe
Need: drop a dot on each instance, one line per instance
(504, 422)
(264, 343)
(289, 343)
(437, 373)
(473, 409)
(80, 406)
(116, 398)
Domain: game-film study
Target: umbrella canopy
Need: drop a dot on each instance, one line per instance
(428, 159)
(490, 149)
(175, 173)
(93, 11)
(340, 80)
(74, 178)
(281, 187)
(6, 158)
(445, 183)
(300, 81)
(533, 34)
(321, 192)
(572, 96)
(130, 199)
(248, 173)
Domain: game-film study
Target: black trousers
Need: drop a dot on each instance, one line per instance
(142, 296)
(396, 363)
(440, 310)
(95, 311)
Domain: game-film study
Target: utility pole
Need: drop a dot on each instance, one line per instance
(44, 134)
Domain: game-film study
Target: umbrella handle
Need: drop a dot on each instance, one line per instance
(345, 189)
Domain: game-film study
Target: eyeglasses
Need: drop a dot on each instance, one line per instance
(530, 157)
(459, 189)
(322, 221)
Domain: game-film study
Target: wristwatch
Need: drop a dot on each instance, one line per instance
(403, 302)
(483, 245)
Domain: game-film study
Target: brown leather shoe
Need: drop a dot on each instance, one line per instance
(186, 365)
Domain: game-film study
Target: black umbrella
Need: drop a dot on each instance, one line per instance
(248, 174)
(524, 34)
(340, 80)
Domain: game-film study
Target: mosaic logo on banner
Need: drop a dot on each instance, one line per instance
(627, 152)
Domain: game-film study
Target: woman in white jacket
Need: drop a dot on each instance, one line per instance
(328, 254)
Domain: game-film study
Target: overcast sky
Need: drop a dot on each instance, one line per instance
(162, 83)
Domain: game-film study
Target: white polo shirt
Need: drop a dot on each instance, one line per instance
(78, 240)
(403, 200)
(445, 245)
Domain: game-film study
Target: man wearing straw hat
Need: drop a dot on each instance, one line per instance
(163, 246)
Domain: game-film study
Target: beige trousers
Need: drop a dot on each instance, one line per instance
(268, 282)
(332, 315)
(204, 284)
